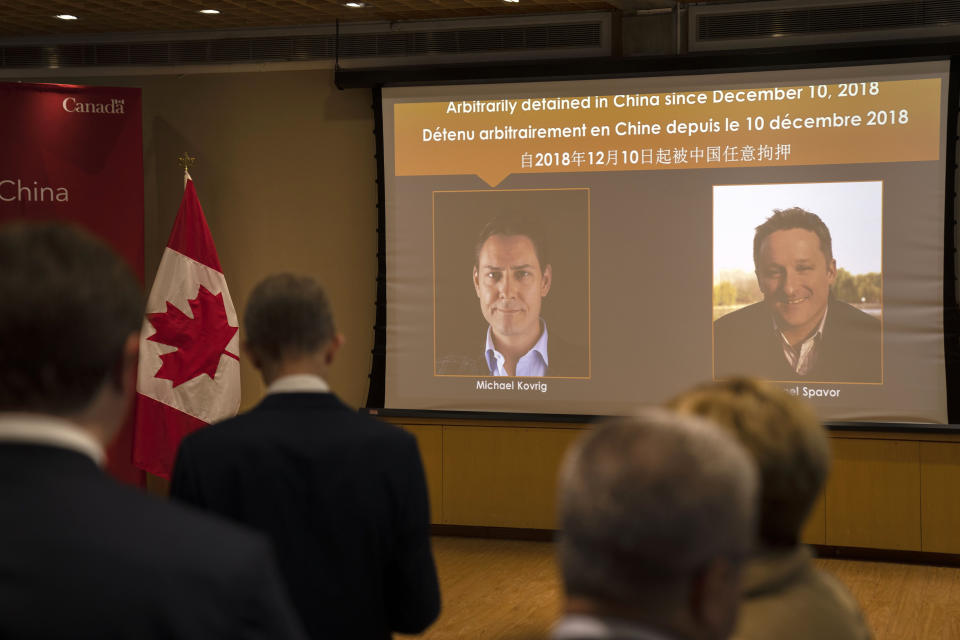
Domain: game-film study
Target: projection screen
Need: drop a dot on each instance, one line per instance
(585, 247)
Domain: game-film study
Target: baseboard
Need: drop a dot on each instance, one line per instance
(502, 533)
(887, 555)
(821, 550)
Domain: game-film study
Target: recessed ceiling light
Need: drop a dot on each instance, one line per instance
(209, 12)
(65, 16)
(355, 5)
(512, 1)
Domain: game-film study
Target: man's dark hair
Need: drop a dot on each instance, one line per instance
(287, 315)
(67, 306)
(793, 218)
(515, 225)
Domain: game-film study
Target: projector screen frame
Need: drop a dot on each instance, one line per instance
(782, 59)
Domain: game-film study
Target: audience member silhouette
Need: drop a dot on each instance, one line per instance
(80, 555)
(343, 496)
(785, 596)
(657, 517)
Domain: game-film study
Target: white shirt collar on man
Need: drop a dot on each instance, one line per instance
(299, 383)
(533, 363)
(582, 627)
(802, 357)
(49, 431)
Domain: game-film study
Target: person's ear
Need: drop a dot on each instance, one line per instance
(251, 354)
(124, 376)
(337, 341)
(546, 281)
(476, 280)
(832, 271)
(715, 597)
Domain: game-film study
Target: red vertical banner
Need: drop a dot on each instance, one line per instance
(75, 153)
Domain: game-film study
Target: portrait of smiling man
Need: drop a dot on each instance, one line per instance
(512, 277)
(799, 331)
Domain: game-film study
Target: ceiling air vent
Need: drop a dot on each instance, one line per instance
(750, 25)
(381, 44)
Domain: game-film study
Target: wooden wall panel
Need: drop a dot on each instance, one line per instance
(940, 502)
(883, 493)
(430, 440)
(502, 477)
(873, 494)
(815, 529)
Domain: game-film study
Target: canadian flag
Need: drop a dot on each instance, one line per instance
(189, 370)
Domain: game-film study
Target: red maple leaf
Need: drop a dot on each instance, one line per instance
(199, 340)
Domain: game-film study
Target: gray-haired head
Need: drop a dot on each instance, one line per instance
(649, 500)
(287, 316)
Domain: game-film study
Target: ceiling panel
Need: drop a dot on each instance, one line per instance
(36, 17)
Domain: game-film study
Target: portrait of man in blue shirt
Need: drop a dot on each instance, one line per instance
(512, 275)
(511, 280)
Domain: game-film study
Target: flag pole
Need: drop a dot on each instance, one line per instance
(186, 161)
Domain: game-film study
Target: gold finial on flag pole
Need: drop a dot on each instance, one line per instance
(186, 160)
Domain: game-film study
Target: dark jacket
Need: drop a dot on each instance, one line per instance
(84, 557)
(747, 343)
(342, 496)
(786, 597)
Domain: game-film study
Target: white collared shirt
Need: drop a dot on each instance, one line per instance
(49, 431)
(532, 363)
(577, 626)
(802, 357)
(299, 383)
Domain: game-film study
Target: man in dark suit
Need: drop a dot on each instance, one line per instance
(343, 496)
(799, 331)
(511, 276)
(80, 555)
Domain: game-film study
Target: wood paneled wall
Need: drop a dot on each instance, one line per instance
(885, 491)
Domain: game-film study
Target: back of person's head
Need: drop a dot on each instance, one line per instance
(785, 438)
(68, 306)
(287, 316)
(647, 502)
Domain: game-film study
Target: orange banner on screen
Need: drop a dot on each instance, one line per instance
(847, 123)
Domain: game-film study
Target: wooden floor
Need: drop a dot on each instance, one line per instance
(510, 590)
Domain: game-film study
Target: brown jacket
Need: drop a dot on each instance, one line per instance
(786, 597)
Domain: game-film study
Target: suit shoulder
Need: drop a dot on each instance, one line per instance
(188, 535)
(232, 429)
(383, 429)
(851, 314)
(744, 316)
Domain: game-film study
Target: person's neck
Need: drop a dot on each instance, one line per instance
(663, 620)
(512, 348)
(798, 336)
(103, 416)
(303, 365)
